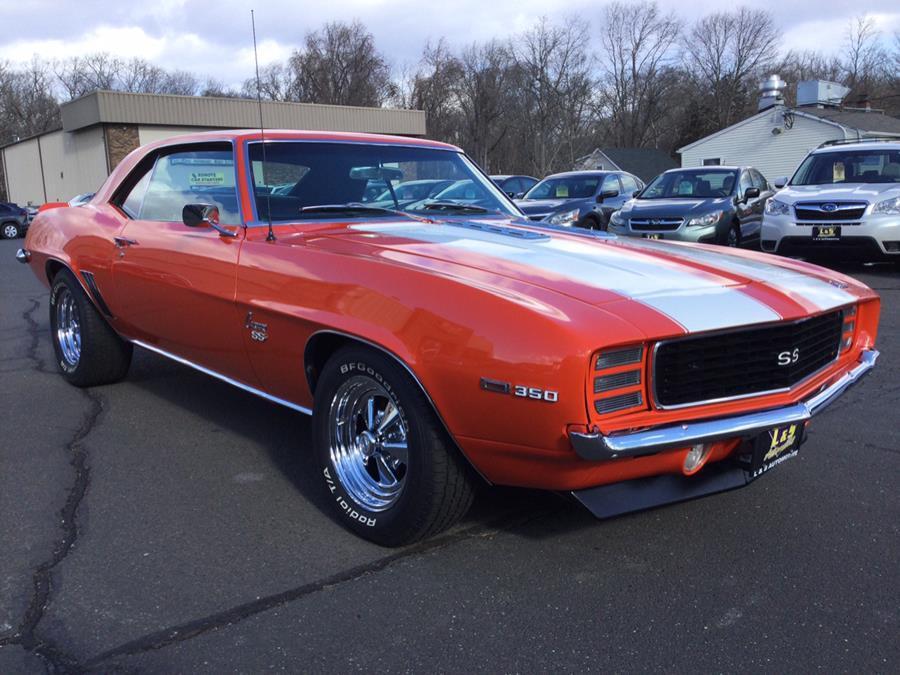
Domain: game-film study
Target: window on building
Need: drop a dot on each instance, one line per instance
(713, 161)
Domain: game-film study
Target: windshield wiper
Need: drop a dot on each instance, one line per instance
(453, 206)
(357, 208)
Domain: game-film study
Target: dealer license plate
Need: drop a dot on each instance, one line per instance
(775, 446)
(826, 233)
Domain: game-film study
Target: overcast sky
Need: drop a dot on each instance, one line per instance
(213, 37)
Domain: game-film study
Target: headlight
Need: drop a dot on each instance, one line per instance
(617, 219)
(564, 217)
(705, 220)
(889, 207)
(777, 208)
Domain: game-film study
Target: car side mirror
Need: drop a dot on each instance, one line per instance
(751, 193)
(780, 182)
(204, 215)
(607, 194)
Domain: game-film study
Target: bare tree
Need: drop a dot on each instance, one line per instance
(27, 104)
(439, 73)
(341, 65)
(727, 53)
(483, 94)
(638, 43)
(864, 58)
(554, 74)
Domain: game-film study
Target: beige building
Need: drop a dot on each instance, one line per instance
(99, 129)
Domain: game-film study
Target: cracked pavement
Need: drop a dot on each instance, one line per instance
(172, 523)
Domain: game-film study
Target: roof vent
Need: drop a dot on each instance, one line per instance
(771, 92)
(820, 93)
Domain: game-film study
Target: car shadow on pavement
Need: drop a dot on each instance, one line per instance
(286, 437)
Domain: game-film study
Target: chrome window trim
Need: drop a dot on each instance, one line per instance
(223, 378)
(655, 400)
(254, 220)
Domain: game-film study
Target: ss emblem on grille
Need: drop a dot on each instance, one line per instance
(787, 358)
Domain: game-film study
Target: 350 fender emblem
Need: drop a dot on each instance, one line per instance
(519, 390)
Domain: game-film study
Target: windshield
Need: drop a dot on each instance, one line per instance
(850, 166)
(691, 184)
(300, 175)
(565, 187)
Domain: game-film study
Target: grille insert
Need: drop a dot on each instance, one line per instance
(627, 378)
(830, 211)
(646, 224)
(744, 362)
(619, 357)
(620, 402)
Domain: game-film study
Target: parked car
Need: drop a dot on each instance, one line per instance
(579, 198)
(411, 191)
(714, 205)
(843, 201)
(447, 341)
(13, 220)
(515, 187)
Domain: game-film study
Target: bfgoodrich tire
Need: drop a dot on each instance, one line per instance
(88, 351)
(391, 473)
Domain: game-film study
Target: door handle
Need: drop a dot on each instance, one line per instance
(122, 242)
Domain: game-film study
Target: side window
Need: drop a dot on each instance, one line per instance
(610, 183)
(746, 182)
(759, 181)
(513, 185)
(629, 184)
(199, 176)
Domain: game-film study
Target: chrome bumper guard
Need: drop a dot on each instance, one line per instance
(595, 446)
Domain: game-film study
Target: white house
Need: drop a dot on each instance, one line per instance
(776, 139)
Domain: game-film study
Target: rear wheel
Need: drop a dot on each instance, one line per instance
(10, 230)
(88, 351)
(392, 473)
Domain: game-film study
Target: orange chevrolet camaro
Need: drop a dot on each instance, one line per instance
(388, 288)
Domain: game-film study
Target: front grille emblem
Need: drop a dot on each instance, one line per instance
(829, 208)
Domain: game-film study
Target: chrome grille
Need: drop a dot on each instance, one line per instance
(627, 378)
(620, 402)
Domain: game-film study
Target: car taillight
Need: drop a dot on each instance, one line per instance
(618, 379)
(849, 328)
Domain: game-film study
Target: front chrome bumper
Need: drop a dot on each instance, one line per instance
(595, 446)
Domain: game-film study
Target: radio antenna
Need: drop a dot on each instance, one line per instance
(262, 135)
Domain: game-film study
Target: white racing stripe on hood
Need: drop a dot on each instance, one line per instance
(815, 291)
(695, 299)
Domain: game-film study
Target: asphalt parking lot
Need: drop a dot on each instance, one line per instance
(173, 523)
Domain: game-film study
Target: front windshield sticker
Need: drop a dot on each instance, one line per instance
(562, 191)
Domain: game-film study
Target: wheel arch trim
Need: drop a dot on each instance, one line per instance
(350, 337)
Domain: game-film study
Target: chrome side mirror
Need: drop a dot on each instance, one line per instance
(204, 215)
(780, 182)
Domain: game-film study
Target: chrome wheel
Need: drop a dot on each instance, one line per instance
(368, 443)
(10, 231)
(68, 328)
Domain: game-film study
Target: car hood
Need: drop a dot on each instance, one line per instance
(532, 206)
(868, 192)
(661, 208)
(696, 287)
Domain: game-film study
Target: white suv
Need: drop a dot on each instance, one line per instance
(843, 202)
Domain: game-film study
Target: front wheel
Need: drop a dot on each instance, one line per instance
(10, 230)
(392, 473)
(732, 237)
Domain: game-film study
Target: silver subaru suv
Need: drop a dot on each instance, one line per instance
(843, 202)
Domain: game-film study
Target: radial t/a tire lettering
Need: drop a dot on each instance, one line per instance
(88, 351)
(391, 472)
